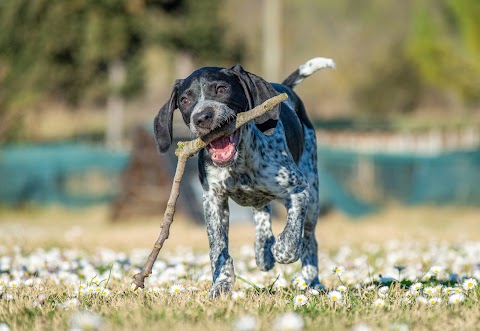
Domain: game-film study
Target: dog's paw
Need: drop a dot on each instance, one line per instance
(286, 249)
(220, 288)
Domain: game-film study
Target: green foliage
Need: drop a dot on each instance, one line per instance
(197, 32)
(444, 45)
(63, 49)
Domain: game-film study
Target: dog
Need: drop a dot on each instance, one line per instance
(272, 157)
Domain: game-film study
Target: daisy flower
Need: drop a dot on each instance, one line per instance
(154, 290)
(90, 290)
(176, 289)
(302, 285)
(105, 292)
(281, 283)
(13, 284)
(300, 300)
(288, 322)
(86, 320)
(379, 303)
(448, 290)
(245, 323)
(342, 289)
(421, 300)
(436, 269)
(469, 284)
(456, 298)
(298, 280)
(416, 287)
(335, 296)
(338, 270)
(71, 303)
(238, 295)
(434, 301)
(429, 290)
(399, 327)
(383, 291)
(457, 290)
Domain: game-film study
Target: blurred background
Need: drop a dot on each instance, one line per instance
(398, 121)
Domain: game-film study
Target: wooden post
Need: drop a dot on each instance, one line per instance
(272, 23)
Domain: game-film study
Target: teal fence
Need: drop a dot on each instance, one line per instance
(77, 175)
(360, 183)
(69, 174)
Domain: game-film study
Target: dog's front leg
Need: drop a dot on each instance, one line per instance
(217, 221)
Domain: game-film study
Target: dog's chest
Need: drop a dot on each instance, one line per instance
(245, 187)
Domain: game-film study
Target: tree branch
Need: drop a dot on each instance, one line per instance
(184, 151)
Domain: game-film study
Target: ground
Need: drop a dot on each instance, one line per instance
(51, 258)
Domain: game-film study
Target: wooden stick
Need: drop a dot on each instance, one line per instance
(184, 151)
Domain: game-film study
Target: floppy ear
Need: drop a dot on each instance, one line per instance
(162, 124)
(257, 90)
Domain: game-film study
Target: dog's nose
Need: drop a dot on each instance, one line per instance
(204, 118)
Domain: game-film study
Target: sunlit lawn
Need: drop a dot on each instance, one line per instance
(405, 269)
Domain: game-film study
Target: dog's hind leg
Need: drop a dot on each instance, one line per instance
(264, 238)
(308, 164)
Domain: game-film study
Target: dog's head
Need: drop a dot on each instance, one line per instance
(209, 98)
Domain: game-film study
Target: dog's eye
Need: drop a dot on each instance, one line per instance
(184, 101)
(221, 89)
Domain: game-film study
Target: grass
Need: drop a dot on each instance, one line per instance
(89, 247)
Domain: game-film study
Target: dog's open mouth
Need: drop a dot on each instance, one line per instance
(223, 149)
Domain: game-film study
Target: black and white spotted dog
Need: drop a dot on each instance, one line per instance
(273, 157)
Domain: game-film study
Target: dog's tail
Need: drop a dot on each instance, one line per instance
(307, 69)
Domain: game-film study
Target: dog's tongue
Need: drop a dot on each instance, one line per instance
(222, 149)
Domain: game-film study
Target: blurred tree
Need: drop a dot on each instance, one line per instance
(65, 49)
(444, 45)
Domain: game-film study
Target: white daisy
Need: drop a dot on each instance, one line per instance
(436, 269)
(71, 303)
(313, 291)
(86, 320)
(154, 290)
(399, 327)
(383, 291)
(335, 296)
(245, 323)
(379, 303)
(342, 288)
(416, 287)
(456, 298)
(176, 289)
(434, 301)
(288, 322)
(421, 300)
(236, 295)
(300, 300)
(281, 283)
(429, 290)
(338, 270)
(469, 284)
